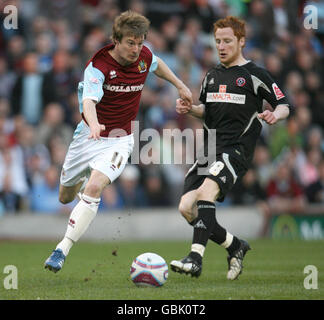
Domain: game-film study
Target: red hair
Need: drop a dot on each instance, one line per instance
(235, 23)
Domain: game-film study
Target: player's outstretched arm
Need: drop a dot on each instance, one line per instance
(271, 117)
(90, 114)
(164, 72)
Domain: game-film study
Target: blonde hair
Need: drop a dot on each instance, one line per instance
(130, 23)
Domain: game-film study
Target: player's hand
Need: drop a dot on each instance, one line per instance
(182, 107)
(95, 130)
(268, 117)
(186, 95)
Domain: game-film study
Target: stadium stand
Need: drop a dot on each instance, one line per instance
(42, 60)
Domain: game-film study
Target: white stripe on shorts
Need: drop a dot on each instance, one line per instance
(229, 166)
(191, 168)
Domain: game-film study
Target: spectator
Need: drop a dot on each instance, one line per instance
(36, 156)
(156, 187)
(43, 197)
(304, 119)
(248, 191)
(293, 84)
(261, 20)
(16, 49)
(7, 79)
(31, 92)
(263, 164)
(132, 193)
(57, 149)
(53, 124)
(7, 125)
(285, 136)
(273, 64)
(281, 19)
(44, 45)
(111, 199)
(315, 191)
(65, 34)
(308, 172)
(63, 81)
(13, 185)
(285, 195)
(203, 11)
(315, 138)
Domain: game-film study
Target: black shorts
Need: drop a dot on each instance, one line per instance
(227, 168)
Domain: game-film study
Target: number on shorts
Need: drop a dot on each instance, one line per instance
(114, 159)
(216, 168)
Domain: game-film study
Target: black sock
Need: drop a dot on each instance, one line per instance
(205, 222)
(218, 234)
(234, 245)
(196, 256)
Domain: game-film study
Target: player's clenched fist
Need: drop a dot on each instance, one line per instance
(268, 117)
(182, 107)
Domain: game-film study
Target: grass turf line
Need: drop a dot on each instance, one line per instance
(273, 269)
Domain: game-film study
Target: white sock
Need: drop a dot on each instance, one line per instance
(81, 217)
(65, 245)
(199, 248)
(228, 241)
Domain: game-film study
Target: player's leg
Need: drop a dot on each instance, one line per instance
(207, 227)
(115, 152)
(80, 219)
(223, 175)
(188, 202)
(187, 206)
(203, 225)
(85, 211)
(67, 193)
(188, 209)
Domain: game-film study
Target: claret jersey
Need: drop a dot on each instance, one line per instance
(115, 88)
(233, 97)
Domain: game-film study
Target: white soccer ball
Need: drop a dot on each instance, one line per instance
(149, 270)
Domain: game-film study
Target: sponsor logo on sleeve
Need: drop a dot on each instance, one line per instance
(94, 80)
(278, 93)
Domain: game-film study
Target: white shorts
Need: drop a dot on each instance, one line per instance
(107, 155)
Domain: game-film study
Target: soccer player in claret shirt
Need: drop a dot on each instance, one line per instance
(232, 95)
(109, 100)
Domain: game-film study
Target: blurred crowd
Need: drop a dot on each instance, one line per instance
(42, 61)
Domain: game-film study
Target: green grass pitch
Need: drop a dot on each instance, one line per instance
(273, 269)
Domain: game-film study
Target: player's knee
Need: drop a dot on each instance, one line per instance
(93, 189)
(185, 211)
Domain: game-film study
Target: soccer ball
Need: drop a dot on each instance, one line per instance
(149, 270)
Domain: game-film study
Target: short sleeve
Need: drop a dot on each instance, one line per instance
(154, 63)
(266, 88)
(92, 84)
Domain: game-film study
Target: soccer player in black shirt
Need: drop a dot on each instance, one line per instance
(232, 95)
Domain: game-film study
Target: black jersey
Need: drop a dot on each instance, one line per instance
(233, 97)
